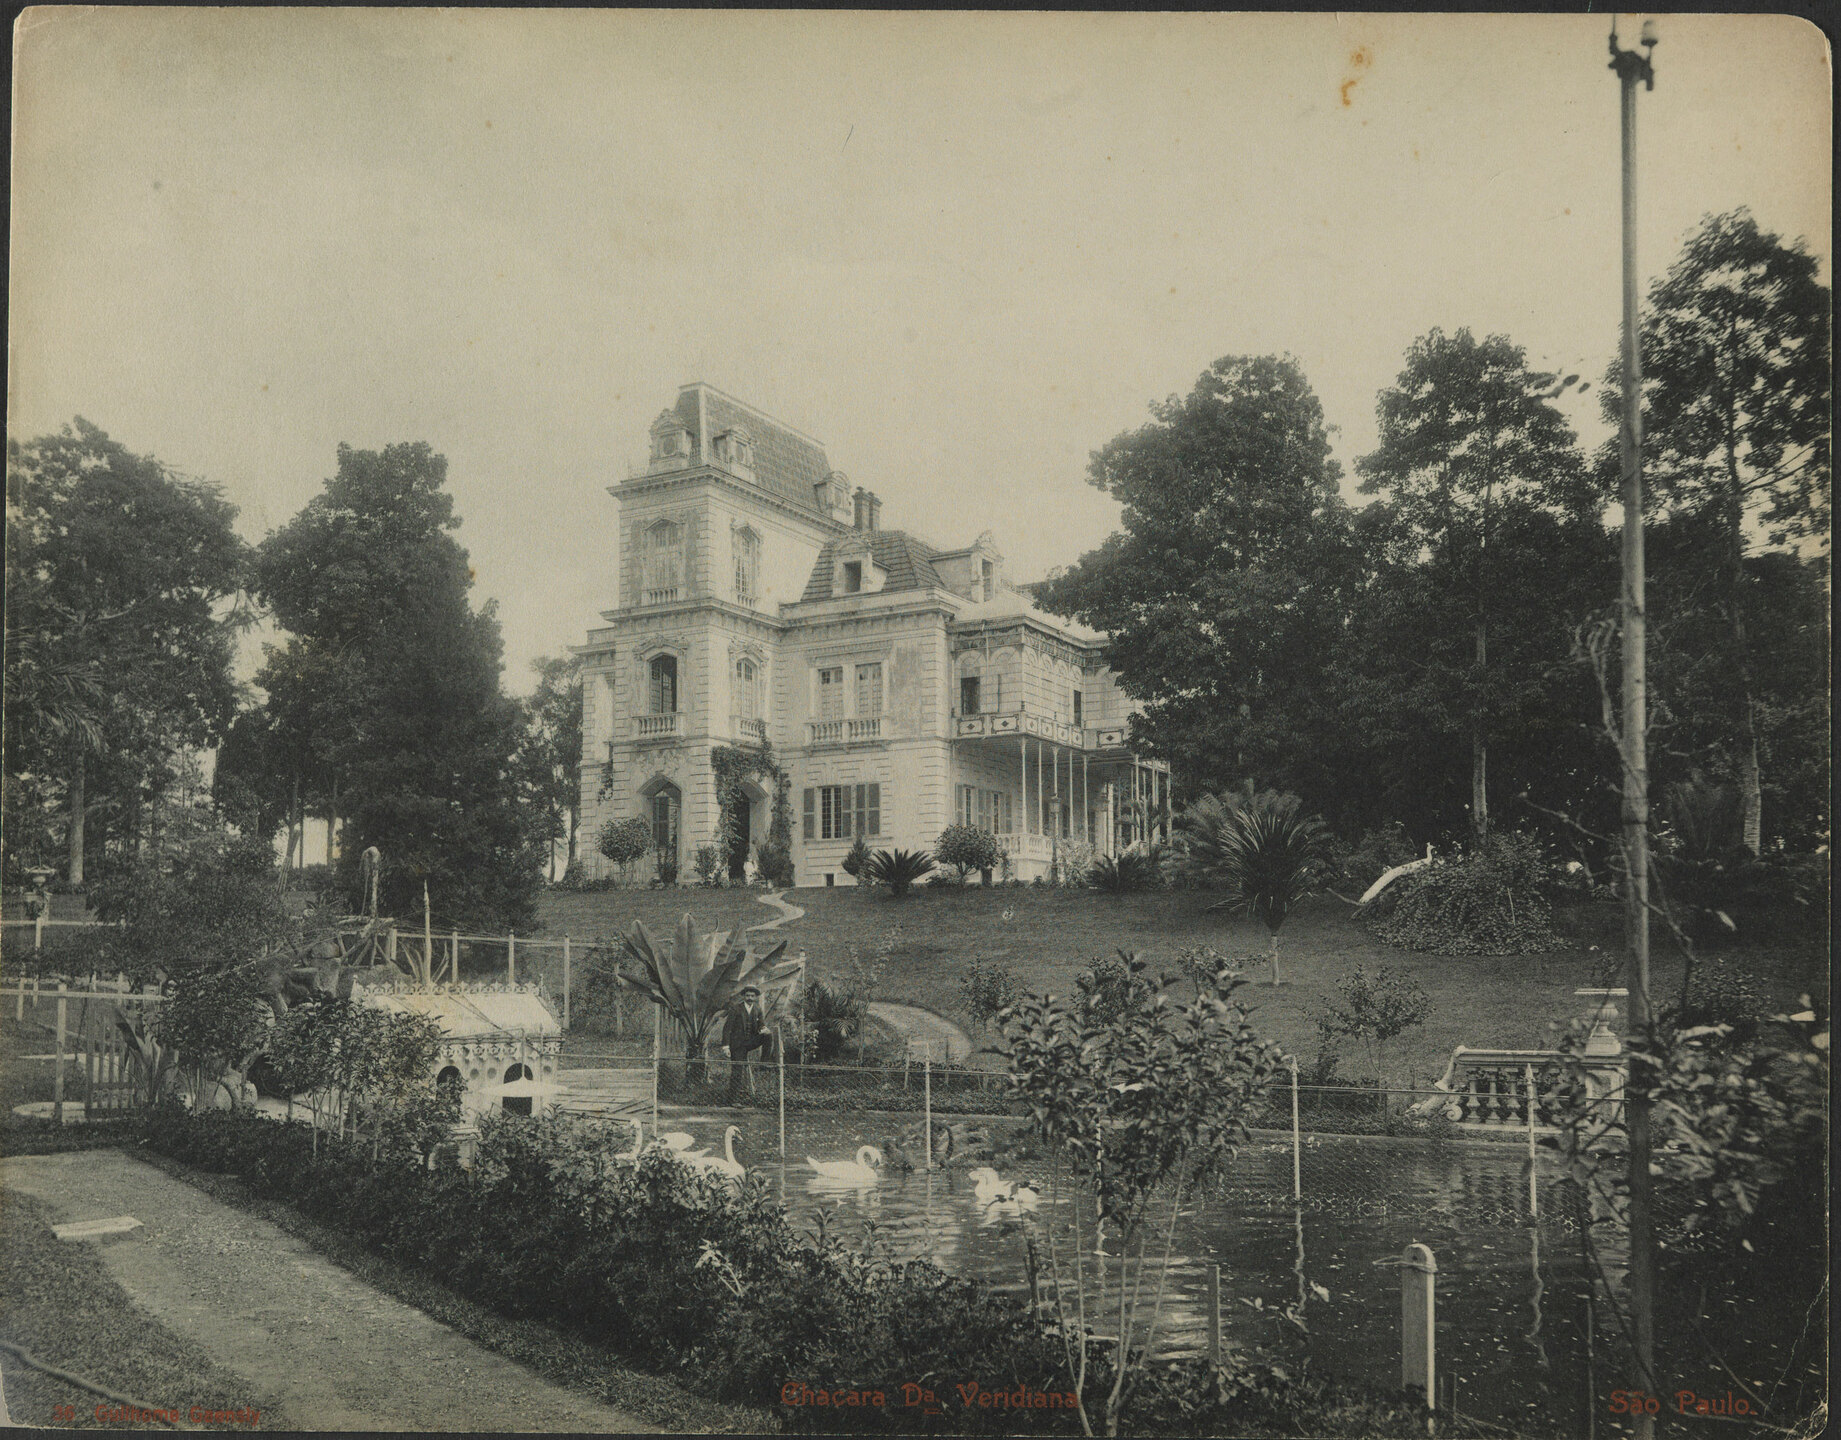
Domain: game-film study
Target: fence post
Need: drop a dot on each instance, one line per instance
(1534, 1198)
(1418, 1321)
(390, 945)
(1214, 1314)
(927, 1082)
(565, 982)
(454, 959)
(658, 1017)
(511, 959)
(779, 1050)
(1297, 1140)
(57, 1083)
(38, 931)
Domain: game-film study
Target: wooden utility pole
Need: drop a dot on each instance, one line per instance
(1630, 68)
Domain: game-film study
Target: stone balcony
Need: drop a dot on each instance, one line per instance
(1101, 741)
(821, 734)
(656, 727)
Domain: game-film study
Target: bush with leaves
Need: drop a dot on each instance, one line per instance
(1490, 901)
(624, 842)
(708, 864)
(856, 861)
(1138, 1107)
(968, 848)
(1115, 985)
(215, 1023)
(1374, 1008)
(986, 989)
(1354, 867)
(1072, 866)
(1718, 993)
(899, 869)
(832, 1016)
(1261, 849)
(1127, 872)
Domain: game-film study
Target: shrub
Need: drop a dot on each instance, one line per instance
(1073, 864)
(967, 848)
(1489, 902)
(987, 989)
(665, 868)
(833, 1017)
(1126, 872)
(1719, 994)
(707, 862)
(775, 860)
(577, 878)
(899, 869)
(624, 841)
(1375, 1007)
(1112, 987)
(856, 863)
(1355, 867)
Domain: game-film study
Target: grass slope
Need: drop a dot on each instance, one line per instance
(1046, 937)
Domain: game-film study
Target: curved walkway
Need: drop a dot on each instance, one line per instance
(309, 1337)
(926, 1032)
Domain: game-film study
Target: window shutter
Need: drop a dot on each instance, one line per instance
(996, 702)
(875, 809)
(811, 813)
(857, 817)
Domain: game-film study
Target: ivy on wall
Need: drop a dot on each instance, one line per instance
(735, 765)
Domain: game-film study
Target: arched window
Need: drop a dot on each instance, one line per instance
(663, 807)
(747, 696)
(517, 1104)
(664, 562)
(450, 1083)
(747, 567)
(663, 671)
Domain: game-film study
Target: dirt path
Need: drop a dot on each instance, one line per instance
(788, 911)
(925, 1030)
(307, 1336)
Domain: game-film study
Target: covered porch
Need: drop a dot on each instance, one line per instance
(1038, 783)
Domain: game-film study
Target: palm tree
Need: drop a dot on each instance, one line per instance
(697, 977)
(1259, 849)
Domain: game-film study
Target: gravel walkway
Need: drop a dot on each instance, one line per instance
(308, 1336)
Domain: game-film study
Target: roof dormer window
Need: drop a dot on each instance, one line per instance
(670, 441)
(853, 577)
(735, 448)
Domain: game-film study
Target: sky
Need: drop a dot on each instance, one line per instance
(962, 250)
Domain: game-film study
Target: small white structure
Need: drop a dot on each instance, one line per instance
(501, 1044)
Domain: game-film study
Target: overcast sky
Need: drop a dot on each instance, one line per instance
(961, 250)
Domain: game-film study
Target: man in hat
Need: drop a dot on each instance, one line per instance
(745, 1032)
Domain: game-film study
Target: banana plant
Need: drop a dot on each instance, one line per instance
(154, 1063)
(696, 978)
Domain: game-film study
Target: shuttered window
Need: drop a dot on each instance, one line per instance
(842, 812)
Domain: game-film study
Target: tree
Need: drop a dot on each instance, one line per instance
(1226, 585)
(1469, 440)
(967, 848)
(553, 747)
(1260, 848)
(624, 841)
(1139, 1100)
(119, 641)
(414, 744)
(1736, 396)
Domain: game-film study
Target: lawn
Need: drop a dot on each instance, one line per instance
(1046, 937)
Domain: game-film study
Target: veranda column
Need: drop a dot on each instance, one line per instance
(1022, 765)
(1086, 801)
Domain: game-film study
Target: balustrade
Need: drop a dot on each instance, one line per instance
(653, 727)
(844, 732)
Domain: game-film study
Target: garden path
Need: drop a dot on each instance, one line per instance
(308, 1336)
(925, 1031)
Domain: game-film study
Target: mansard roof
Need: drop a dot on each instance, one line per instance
(907, 561)
(786, 464)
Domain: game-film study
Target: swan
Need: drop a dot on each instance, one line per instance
(1009, 1196)
(860, 1171)
(639, 1141)
(678, 1140)
(725, 1163)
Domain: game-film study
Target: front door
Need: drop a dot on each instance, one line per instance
(744, 827)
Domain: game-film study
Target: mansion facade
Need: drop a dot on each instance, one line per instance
(902, 687)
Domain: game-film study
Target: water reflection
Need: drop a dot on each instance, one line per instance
(1300, 1274)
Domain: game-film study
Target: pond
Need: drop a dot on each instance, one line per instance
(1316, 1277)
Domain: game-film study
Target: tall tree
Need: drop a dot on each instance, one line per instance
(388, 698)
(553, 746)
(1470, 441)
(120, 634)
(1226, 584)
(1736, 397)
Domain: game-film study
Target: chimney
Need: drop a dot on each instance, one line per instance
(861, 518)
(875, 512)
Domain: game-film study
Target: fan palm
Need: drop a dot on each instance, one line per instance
(1258, 848)
(696, 978)
(899, 869)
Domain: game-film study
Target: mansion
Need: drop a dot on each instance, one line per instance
(902, 687)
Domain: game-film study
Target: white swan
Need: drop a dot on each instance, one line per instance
(678, 1140)
(1008, 1197)
(725, 1163)
(861, 1171)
